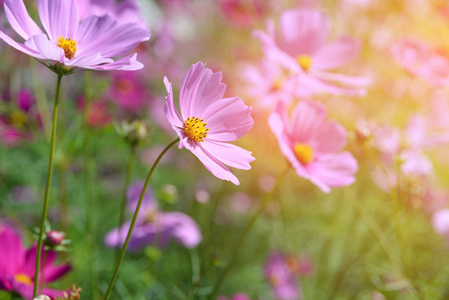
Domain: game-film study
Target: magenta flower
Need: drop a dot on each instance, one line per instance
(154, 227)
(312, 145)
(422, 61)
(300, 46)
(18, 122)
(17, 266)
(208, 122)
(89, 44)
(282, 278)
(128, 91)
(238, 296)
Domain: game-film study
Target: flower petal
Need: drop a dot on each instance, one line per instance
(211, 163)
(229, 154)
(59, 18)
(46, 48)
(302, 31)
(92, 27)
(21, 47)
(333, 170)
(170, 110)
(20, 20)
(334, 55)
(228, 119)
(117, 41)
(189, 89)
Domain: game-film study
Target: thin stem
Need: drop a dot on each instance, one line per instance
(242, 240)
(136, 213)
(47, 188)
(132, 154)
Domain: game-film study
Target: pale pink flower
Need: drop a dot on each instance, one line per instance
(422, 61)
(313, 145)
(270, 83)
(300, 45)
(440, 222)
(208, 122)
(89, 44)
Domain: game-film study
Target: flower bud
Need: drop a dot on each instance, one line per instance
(54, 238)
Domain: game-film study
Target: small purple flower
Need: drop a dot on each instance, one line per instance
(89, 44)
(154, 227)
(282, 277)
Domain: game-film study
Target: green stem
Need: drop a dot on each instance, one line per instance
(242, 240)
(136, 213)
(47, 188)
(132, 154)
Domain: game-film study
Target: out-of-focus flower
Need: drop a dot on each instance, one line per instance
(208, 122)
(202, 196)
(19, 120)
(42, 297)
(313, 145)
(17, 266)
(270, 83)
(133, 132)
(241, 202)
(282, 278)
(406, 147)
(154, 227)
(238, 296)
(128, 91)
(89, 44)
(300, 46)
(123, 11)
(422, 61)
(241, 13)
(440, 222)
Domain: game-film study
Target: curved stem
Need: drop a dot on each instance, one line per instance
(47, 188)
(132, 154)
(245, 234)
(136, 212)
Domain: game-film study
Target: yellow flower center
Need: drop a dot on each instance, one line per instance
(303, 152)
(304, 61)
(18, 118)
(22, 278)
(195, 129)
(68, 45)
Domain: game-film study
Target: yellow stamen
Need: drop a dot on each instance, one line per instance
(19, 118)
(304, 61)
(303, 152)
(195, 129)
(22, 278)
(68, 45)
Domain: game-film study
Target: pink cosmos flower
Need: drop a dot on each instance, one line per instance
(312, 145)
(300, 46)
(89, 44)
(270, 83)
(208, 122)
(409, 145)
(154, 227)
(422, 61)
(17, 266)
(282, 278)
